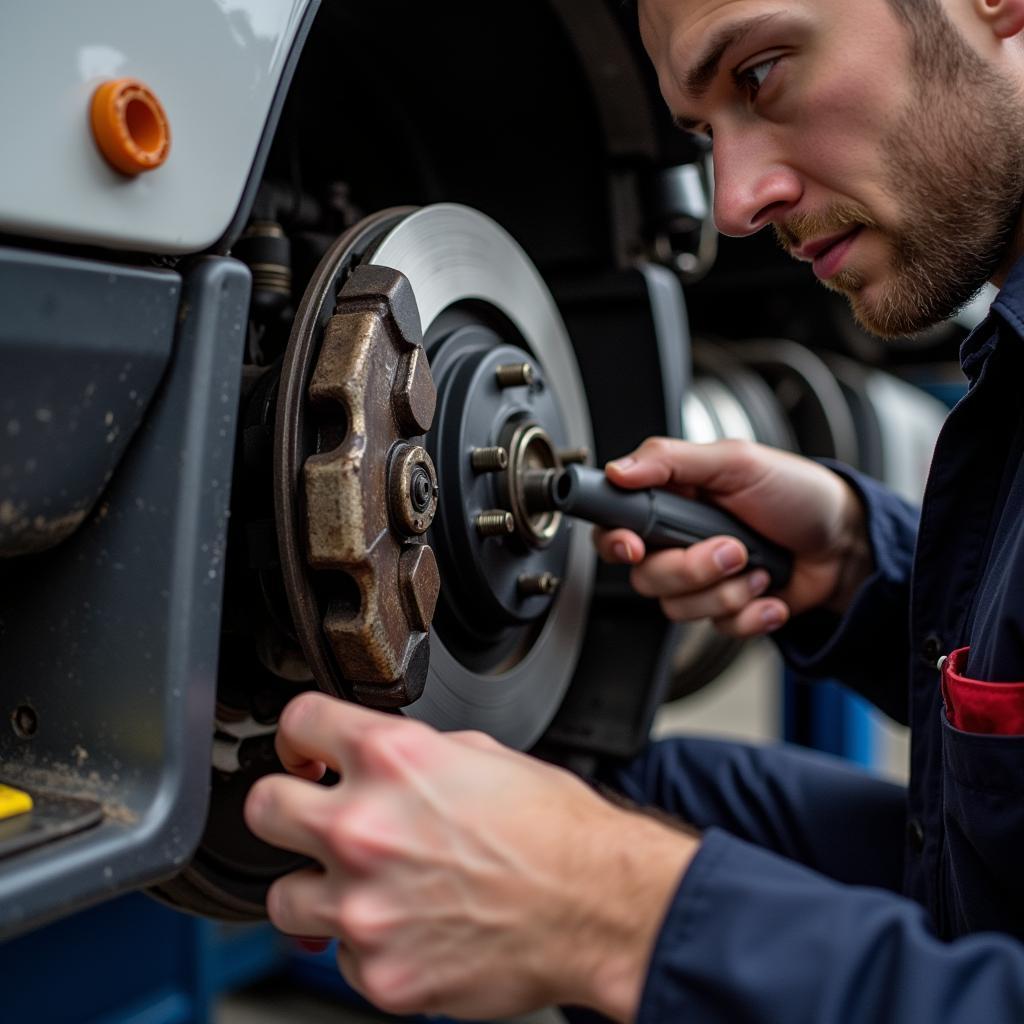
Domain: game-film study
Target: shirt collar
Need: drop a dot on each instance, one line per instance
(1010, 300)
(1008, 307)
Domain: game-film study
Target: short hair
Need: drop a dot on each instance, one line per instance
(917, 15)
(936, 44)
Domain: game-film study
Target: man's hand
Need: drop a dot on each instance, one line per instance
(790, 500)
(461, 877)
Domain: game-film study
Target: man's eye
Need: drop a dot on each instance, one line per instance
(751, 79)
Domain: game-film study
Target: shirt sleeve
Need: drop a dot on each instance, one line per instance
(868, 647)
(752, 937)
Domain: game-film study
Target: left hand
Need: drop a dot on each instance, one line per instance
(461, 877)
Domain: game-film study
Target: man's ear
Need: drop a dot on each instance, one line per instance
(1004, 17)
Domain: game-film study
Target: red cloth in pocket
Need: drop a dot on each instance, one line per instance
(995, 709)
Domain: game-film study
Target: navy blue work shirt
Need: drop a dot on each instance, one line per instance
(753, 937)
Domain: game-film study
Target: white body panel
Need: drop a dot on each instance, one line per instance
(214, 65)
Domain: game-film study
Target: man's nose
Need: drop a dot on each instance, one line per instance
(750, 190)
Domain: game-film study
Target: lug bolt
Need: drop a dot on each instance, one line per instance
(489, 460)
(541, 585)
(515, 375)
(495, 523)
(574, 456)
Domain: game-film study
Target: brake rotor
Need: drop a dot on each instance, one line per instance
(449, 278)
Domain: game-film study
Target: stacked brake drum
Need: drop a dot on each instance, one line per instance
(782, 394)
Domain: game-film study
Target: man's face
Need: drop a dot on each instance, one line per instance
(891, 164)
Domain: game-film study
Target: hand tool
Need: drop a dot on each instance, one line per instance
(660, 518)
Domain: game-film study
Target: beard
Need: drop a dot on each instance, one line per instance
(955, 163)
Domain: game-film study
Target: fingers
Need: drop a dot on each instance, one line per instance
(724, 601)
(678, 572)
(619, 546)
(303, 904)
(291, 813)
(314, 771)
(759, 618)
(316, 729)
(707, 581)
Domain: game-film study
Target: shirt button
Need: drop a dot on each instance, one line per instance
(932, 649)
(915, 835)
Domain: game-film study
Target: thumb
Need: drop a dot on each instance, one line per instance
(722, 467)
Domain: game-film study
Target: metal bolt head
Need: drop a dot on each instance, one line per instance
(515, 375)
(415, 397)
(495, 523)
(421, 584)
(538, 584)
(412, 490)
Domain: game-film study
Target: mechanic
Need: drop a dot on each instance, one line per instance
(882, 141)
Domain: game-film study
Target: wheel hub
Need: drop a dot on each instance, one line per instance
(486, 435)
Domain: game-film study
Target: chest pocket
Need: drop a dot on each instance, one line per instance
(983, 801)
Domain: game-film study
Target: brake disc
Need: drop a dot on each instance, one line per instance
(450, 277)
(427, 373)
(471, 278)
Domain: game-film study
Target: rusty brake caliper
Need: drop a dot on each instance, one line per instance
(362, 582)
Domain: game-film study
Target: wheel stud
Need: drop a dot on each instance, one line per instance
(538, 585)
(495, 523)
(574, 456)
(489, 460)
(515, 375)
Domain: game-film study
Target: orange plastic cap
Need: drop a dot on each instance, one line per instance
(130, 126)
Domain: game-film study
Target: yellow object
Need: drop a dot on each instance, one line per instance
(13, 802)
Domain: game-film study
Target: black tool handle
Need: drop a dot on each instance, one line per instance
(662, 519)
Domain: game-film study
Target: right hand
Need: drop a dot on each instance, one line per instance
(791, 500)
(447, 900)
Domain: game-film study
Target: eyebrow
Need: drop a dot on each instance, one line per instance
(698, 79)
